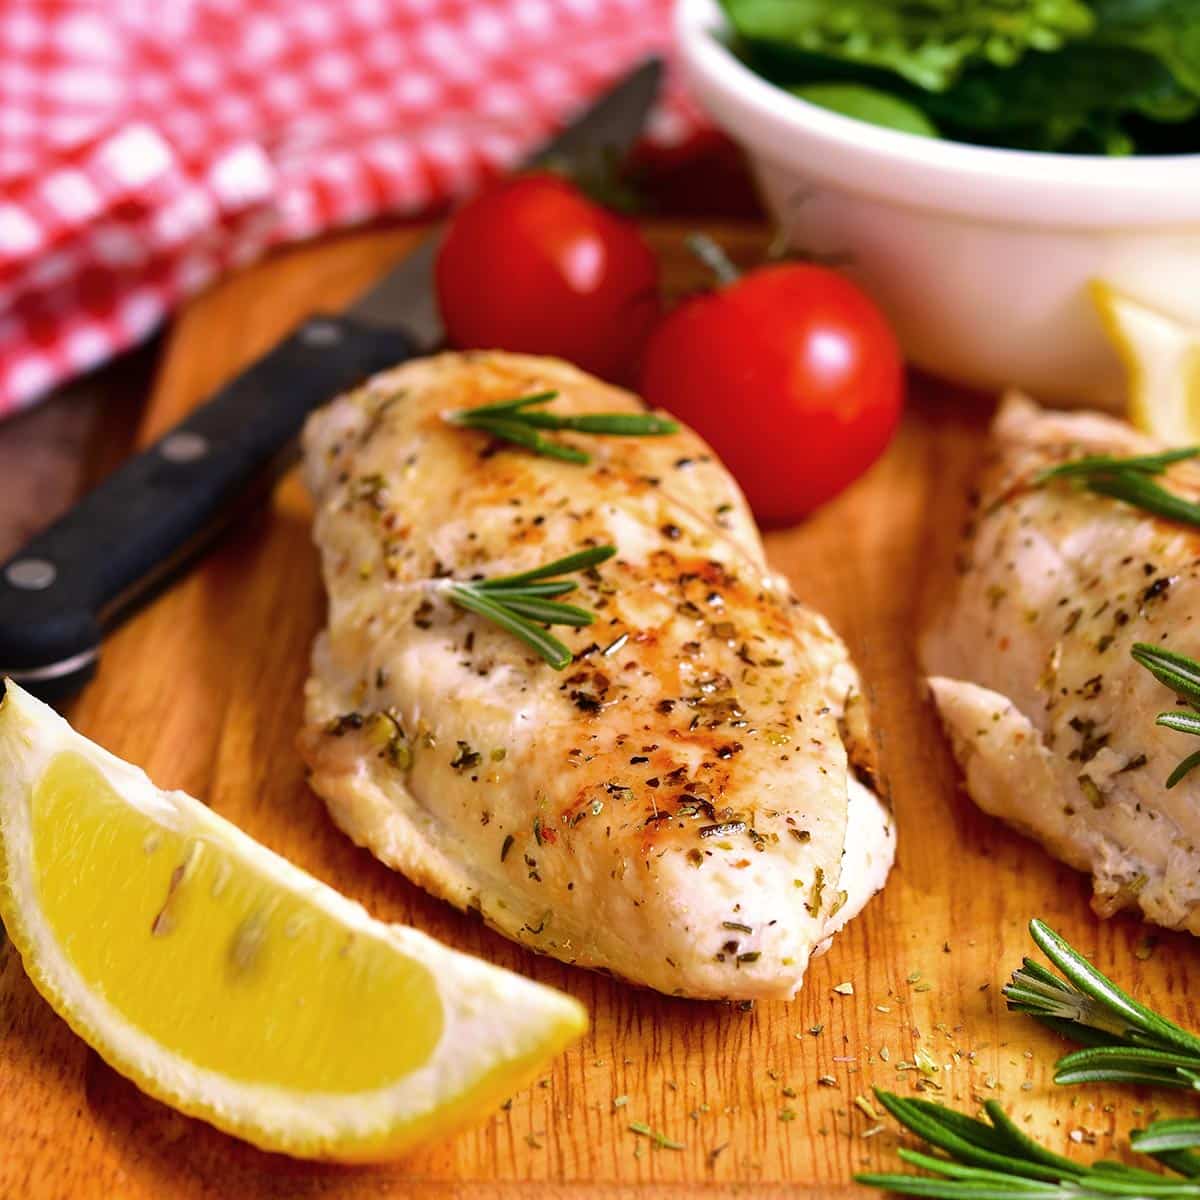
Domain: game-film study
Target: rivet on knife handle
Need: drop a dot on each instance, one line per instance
(59, 592)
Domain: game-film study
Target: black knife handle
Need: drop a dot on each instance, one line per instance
(157, 509)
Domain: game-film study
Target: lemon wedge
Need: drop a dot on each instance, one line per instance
(230, 984)
(1162, 365)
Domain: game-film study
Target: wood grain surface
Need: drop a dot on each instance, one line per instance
(68, 443)
(203, 689)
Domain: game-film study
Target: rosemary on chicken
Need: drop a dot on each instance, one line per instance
(1125, 1041)
(517, 421)
(1131, 480)
(524, 604)
(1182, 675)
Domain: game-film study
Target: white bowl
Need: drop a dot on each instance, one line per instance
(980, 257)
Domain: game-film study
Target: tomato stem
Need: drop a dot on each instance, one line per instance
(713, 257)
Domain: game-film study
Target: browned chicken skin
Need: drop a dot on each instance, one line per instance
(675, 806)
(1050, 717)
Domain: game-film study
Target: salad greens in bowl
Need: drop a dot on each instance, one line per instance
(1070, 76)
(975, 165)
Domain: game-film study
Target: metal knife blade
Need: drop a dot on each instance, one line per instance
(161, 508)
(608, 129)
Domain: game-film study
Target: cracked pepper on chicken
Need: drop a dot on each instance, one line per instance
(1050, 717)
(680, 806)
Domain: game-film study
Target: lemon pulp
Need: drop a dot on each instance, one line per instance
(194, 948)
(228, 983)
(1161, 355)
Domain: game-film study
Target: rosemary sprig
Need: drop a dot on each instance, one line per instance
(1182, 675)
(1146, 464)
(995, 1160)
(513, 421)
(523, 604)
(1126, 1042)
(1130, 480)
(1172, 1142)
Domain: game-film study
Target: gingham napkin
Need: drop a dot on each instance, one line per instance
(146, 146)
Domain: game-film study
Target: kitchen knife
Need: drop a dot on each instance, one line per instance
(156, 512)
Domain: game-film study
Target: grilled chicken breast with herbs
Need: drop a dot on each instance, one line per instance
(676, 806)
(1050, 718)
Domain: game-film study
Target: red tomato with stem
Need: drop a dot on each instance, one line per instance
(533, 265)
(791, 373)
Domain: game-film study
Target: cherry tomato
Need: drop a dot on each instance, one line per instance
(533, 265)
(792, 375)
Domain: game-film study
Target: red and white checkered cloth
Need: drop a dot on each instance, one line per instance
(146, 146)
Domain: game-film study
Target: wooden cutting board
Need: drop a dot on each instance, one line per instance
(203, 689)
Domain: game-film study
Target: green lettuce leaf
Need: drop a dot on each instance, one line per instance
(1167, 29)
(1075, 100)
(868, 104)
(927, 42)
(1109, 76)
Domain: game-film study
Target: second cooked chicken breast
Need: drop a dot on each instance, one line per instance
(1051, 719)
(677, 805)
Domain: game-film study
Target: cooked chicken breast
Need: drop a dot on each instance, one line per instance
(676, 806)
(1050, 718)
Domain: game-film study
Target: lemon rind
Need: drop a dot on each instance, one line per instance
(500, 1029)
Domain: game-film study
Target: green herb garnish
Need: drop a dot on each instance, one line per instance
(1182, 675)
(659, 1139)
(513, 421)
(1171, 1142)
(1126, 1042)
(523, 604)
(1130, 480)
(1144, 464)
(995, 1160)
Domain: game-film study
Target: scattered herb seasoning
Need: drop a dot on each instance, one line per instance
(659, 1139)
(385, 728)
(371, 489)
(340, 726)
(466, 758)
(423, 616)
(724, 829)
(813, 906)
(1088, 786)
